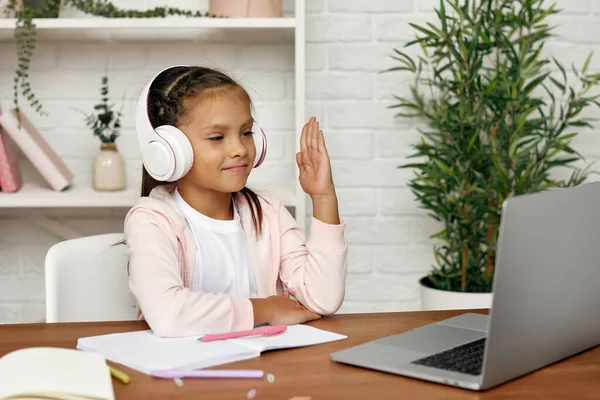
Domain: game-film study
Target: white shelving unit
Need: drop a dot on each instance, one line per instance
(36, 196)
(109, 24)
(168, 28)
(32, 197)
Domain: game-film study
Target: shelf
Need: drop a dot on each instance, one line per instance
(168, 28)
(32, 196)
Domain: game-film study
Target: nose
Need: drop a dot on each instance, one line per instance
(237, 148)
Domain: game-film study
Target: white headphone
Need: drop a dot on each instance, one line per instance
(166, 152)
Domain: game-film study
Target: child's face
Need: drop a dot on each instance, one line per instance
(219, 125)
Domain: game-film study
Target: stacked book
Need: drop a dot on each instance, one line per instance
(35, 148)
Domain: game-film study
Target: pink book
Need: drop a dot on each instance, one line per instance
(37, 150)
(10, 174)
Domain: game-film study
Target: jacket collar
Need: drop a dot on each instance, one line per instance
(162, 199)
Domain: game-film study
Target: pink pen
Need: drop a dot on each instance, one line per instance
(262, 331)
(205, 373)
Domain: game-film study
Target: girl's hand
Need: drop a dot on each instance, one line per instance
(313, 161)
(285, 311)
(280, 310)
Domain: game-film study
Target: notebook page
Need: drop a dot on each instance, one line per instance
(145, 352)
(294, 336)
(48, 371)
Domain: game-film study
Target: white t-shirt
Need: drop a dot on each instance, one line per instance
(222, 261)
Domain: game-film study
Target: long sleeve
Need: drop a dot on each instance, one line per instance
(314, 271)
(171, 309)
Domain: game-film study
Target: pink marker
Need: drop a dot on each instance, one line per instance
(262, 331)
(206, 373)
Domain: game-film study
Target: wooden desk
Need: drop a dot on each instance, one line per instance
(309, 371)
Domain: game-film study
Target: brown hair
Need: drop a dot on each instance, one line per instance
(165, 107)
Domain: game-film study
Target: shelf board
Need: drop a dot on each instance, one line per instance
(167, 28)
(34, 196)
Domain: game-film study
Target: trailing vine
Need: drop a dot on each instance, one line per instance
(25, 11)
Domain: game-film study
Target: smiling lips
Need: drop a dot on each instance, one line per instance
(237, 168)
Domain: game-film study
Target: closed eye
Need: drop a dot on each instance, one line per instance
(249, 133)
(216, 138)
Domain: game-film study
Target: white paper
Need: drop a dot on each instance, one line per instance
(145, 352)
(294, 336)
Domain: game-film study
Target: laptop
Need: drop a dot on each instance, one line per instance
(544, 308)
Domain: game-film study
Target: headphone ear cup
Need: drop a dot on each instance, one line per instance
(260, 142)
(183, 154)
(157, 158)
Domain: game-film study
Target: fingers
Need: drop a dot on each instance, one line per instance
(304, 160)
(321, 142)
(313, 134)
(309, 137)
(303, 137)
(311, 316)
(299, 159)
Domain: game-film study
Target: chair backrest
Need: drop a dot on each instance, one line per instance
(87, 280)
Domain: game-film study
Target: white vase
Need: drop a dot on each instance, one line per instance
(436, 299)
(109, 169)
(246, 8)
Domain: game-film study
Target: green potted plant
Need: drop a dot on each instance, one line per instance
(108, 172)
(499, 120)
(25, 11)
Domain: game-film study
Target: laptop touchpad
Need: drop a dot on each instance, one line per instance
(431, 338)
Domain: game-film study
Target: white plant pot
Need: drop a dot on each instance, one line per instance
(435, 299)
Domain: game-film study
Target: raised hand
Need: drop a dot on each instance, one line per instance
(313, 161)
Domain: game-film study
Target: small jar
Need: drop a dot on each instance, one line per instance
(109, 169)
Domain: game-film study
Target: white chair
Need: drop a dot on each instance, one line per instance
(86, 280)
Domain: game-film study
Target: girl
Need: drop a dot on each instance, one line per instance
(207, 254)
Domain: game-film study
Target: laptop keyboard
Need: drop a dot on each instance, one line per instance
(467, 358)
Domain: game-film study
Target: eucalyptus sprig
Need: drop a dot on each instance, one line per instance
(104, 122)
(500, 121)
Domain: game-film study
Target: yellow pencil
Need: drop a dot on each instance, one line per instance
(122, 376)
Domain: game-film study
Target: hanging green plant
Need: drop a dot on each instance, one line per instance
(25, 11)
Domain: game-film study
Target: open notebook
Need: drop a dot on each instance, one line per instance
(145, 352)
(54, 373)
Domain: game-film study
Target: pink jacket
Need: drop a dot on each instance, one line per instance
(162, 254)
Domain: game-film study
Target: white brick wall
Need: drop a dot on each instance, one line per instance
(348, 45)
